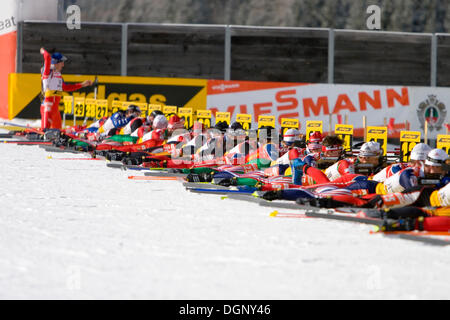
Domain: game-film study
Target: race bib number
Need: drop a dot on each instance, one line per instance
(345, 132)
(408, 140)
(68, 104)
(266, 121)
(287, 124)
(443, 142)
(186, 114)
(245, 120)
(79, 107)
(378, 134)
(223, 116)
(168, 110)
(101, 109)
(153, 107)
(90, 106)
(204, 116)
(312, 126)
(116, 106)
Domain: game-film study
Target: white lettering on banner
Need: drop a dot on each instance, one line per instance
(222, 87)
(8, 17)
(73, 17)
(316, 102)
(374, 20)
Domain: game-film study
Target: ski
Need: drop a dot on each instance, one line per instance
(153, 178)
(218, 191)
(27, 142)
(93, 159)
(164, 174)
(283, 204)
(276, 214)
(120, 165)
(203, 185)
(418, 238)
(344, 217)
(51, 148)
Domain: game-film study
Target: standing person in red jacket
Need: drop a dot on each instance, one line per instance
(52, 87)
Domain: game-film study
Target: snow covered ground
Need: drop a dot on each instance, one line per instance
(76, 229)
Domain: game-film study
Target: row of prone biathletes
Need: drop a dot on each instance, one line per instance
(310, 169)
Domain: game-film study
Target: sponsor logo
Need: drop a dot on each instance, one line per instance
(314, 125)
(444, 140)
(432, 111)
(222, 87)
(408, 136)
(289, 123)
(377, 131)
(204, 113)
(343, 129)
(263, 119)
(185, 111)
(243, 118)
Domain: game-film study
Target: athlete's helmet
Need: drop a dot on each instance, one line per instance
(291, 135)
(420, 151)
(315, 137)
(222, 126)
(160, 122)
(236, 126)
(133, 108)
(175, 122)
(370, 149)
(155, 113)
(436, 157)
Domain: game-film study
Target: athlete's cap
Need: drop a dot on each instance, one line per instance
(58, 57)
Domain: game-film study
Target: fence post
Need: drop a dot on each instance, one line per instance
(123, 64)
(433, 62)
(227, 65)
(19, 53)
(331, 56)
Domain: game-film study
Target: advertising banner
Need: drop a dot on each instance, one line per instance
(24, 90)
(8, 43)
(396, 107)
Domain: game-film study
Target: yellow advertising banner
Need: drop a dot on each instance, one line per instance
(24, 90)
